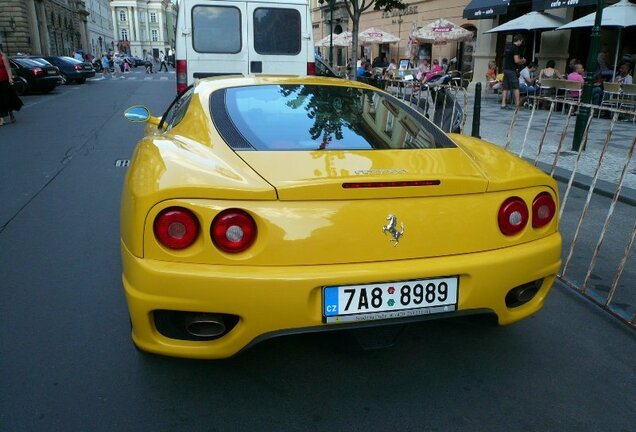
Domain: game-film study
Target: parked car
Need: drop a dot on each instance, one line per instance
(72, 69)
(263, 206)
(35, 74)
(134, 61)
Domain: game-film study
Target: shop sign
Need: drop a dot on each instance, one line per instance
(410, 10)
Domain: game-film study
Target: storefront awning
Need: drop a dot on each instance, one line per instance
(541, 5)
(482, 9)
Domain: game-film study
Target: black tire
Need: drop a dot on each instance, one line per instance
(81, 80)
(20, 87)
(47, 90)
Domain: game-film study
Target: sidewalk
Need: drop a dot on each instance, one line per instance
(495, 124)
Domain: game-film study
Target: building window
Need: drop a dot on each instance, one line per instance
(122, 15)
(277, 31)
(216, 29)
(155, 35)
(153, 17)
(124, 34)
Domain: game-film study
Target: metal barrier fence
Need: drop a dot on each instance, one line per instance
(545, 146)
(444, 104)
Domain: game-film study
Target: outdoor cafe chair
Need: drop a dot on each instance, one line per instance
(611, 96)
(568, 88)
(628, 99)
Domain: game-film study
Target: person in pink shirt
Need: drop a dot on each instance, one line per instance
(435, 70)
(577, 75)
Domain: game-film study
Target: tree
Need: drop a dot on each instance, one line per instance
(354, 9)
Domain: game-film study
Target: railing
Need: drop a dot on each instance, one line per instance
(604, 156)
(444, 104)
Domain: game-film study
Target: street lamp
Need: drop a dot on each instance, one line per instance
(399, 22)
(6, 36)
(332, 4)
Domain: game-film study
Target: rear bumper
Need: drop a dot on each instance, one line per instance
(273, 300)
(46, 82)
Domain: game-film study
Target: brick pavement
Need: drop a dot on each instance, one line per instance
(495, 123)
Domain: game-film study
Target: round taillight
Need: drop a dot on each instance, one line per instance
(513, 216)
(543, 210)
(233, 230)
(176, 228)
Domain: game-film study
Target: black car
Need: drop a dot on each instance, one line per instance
(139, 61)
(35, 74)
(72, 69)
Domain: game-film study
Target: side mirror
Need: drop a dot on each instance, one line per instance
(137, 114)
(140, 114)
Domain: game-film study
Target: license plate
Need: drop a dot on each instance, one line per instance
(51, 72)
(389, 300)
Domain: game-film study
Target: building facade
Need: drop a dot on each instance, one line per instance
(400, 23)
(100, 27)
(477, 16)
(43, 27)
(144, 26)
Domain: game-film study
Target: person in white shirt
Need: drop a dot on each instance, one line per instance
(623, 76)
(526, 80)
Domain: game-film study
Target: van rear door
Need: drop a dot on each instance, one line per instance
(279, 38)
(219, 44)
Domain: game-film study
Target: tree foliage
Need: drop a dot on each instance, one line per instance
(355, 8)
(329, 107)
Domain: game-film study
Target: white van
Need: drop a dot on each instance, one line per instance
(228, 37)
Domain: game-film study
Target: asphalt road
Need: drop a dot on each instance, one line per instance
(67, 362)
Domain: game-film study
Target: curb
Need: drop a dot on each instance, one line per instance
(582, 181)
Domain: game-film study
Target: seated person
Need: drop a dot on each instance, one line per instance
(491, 76)
(603, 60)
(549, 72)
(597, 89)
(436, 70)
(526, 81)
(422, 69)
(360, 70)
(623, 75)
(577, 76)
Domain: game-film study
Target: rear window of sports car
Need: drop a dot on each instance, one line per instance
(319, 117)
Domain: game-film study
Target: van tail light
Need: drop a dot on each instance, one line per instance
(176, 227)
(37, 71)
(182, 76)
(311, 68)
(513, 216)
(543, 210)
(233, 230)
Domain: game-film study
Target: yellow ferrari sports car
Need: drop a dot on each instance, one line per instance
(263, 206)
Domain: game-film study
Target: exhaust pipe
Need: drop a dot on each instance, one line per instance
(205, 325)
(523, 293)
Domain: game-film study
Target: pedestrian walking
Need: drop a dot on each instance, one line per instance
(162, 60)
(9, 100)
(105, 65)
(149, 60)
(512, 60)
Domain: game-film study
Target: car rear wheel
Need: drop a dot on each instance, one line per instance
(81, 80)
(65, 79)
(20, 86)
